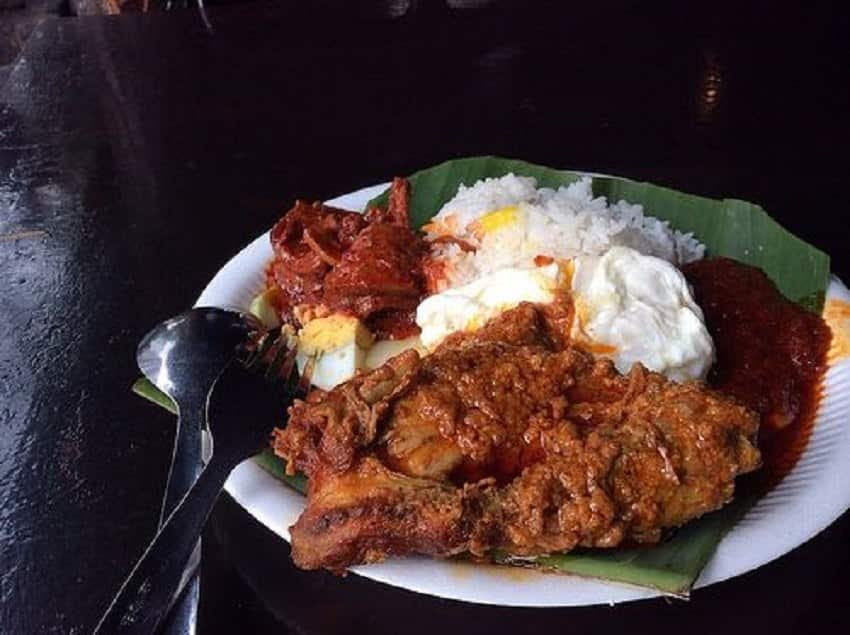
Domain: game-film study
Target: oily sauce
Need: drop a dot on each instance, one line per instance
(771, 355)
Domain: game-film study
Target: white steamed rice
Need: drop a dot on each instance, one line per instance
(560, 224)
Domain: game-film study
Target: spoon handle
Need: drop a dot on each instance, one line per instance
(146, 594)
(186, 465)
(186, 461)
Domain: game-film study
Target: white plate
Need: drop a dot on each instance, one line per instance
(811, 497)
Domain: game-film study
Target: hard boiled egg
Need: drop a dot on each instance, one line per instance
(337, 344)
(340, 345)
(383, 350)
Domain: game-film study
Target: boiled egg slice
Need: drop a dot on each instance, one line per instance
(337, 345)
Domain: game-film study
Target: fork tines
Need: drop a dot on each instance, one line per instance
(271, 354)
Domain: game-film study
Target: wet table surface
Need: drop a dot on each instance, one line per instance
(138, 153)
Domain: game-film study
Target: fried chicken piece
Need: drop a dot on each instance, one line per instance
(503, 440)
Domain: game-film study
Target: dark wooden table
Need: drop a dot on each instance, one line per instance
(138, 153)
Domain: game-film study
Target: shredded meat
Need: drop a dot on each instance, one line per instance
(378, 272)
(328, 260)
(507, 440)
(307, 242)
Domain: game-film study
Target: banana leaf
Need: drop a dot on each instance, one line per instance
(671, 567)
(728, 227)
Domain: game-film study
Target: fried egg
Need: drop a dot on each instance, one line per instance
(468, 307)
(629, 307)
(635, 308)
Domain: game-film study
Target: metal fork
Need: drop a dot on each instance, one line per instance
(242, 410)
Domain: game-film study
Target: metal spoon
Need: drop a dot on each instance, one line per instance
(183, 357)
(244, 409)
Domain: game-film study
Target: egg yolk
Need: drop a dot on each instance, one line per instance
(495, 220)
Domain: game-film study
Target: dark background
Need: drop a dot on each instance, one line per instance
(138, 153)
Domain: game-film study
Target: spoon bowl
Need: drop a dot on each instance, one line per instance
(184, 355)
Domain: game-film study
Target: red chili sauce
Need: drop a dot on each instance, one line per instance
(771, 355)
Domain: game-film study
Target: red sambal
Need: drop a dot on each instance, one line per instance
(771, 355)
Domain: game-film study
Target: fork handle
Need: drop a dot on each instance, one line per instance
(147, 593)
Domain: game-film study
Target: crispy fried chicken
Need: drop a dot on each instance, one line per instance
(505, 439)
